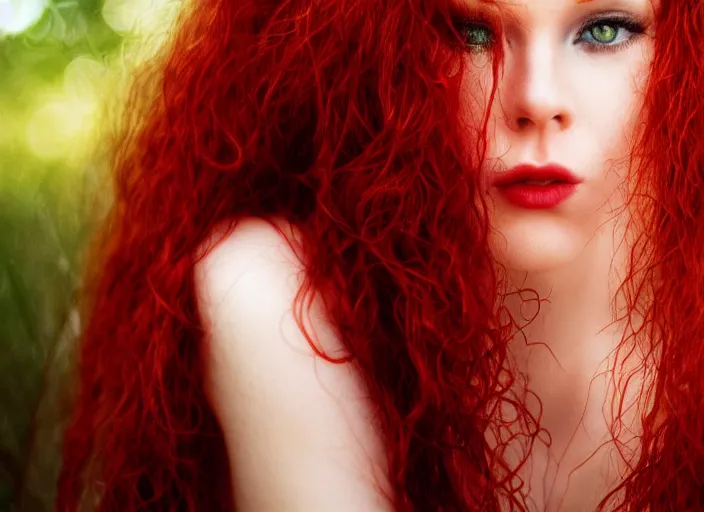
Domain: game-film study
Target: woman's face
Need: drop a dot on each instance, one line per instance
(562, 121)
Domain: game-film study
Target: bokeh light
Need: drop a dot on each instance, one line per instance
(16, 16)
(139, 17)
(65, 124)
(65, 66)
(58, 128)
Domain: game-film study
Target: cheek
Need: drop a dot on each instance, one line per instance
(609, 100)
(475, 92)
(611, 111)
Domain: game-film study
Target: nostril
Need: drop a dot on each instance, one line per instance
(523, 122)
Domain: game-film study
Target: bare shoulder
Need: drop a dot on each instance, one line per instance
(299, 430)
(249, 281)
(255, 245)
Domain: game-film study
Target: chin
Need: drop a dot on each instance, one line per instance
(535, 243)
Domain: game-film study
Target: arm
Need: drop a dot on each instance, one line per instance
(298, 429)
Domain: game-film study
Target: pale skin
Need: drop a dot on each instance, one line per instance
(299, 431)
(562, 100)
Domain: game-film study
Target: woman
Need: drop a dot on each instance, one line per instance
(402, 255)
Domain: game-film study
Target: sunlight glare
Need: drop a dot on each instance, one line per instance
(16, 16)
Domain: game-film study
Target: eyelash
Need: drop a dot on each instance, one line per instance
(620, 23)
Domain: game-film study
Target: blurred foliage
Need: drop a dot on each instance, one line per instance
(46, 211)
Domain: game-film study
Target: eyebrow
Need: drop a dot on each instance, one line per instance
(578, 1)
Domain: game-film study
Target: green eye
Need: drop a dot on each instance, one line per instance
(476, 36)
(604, 34)
(609, 33)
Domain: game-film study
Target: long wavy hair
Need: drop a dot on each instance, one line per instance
(341, 117)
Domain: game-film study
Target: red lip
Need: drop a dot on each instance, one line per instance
(527, 172)
(515, 185)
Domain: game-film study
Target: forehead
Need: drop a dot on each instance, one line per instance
(529, 7)
(501, 2)
(556, 3)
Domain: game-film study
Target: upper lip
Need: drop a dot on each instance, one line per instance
(529, 172)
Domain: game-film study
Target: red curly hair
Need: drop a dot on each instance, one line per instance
(341, 116)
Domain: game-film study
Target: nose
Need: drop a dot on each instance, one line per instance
(535, 96)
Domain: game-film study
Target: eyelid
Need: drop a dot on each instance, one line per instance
(475, 20)
(628, 21)
(465, 14)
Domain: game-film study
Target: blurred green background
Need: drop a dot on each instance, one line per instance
(62, 63)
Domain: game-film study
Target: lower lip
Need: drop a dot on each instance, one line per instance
(537, 197)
